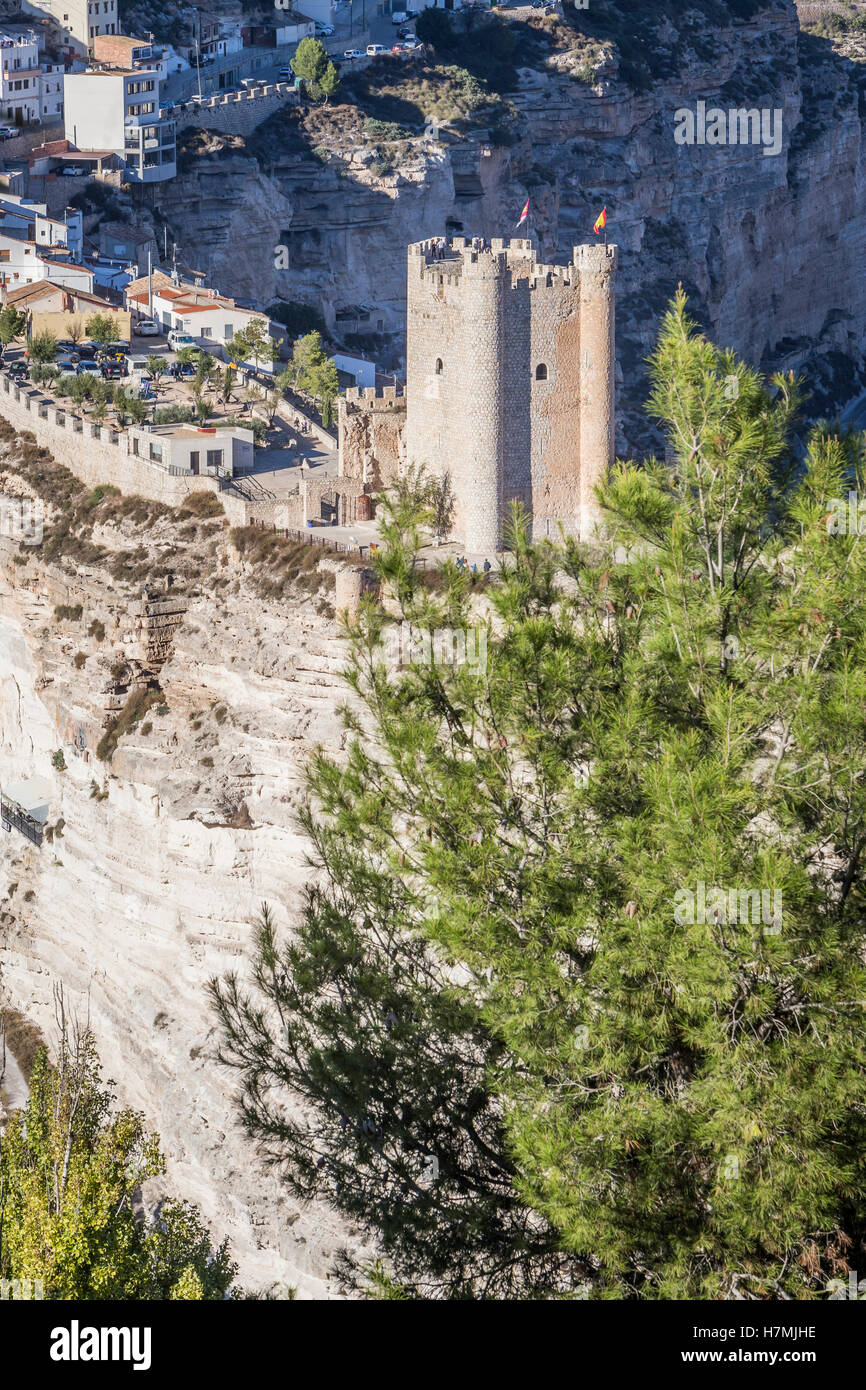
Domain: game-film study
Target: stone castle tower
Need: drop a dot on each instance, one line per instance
(510, 382)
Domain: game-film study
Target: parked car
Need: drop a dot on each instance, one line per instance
(177, 340)
(399, 17)
(285, 74)
(374, 49)
(398, 48)
(66, 345)
(113, 371)
(351, 53)
(118, 345)
(147, 328)
(324, 31)
(87, 364)
(412, 42)
(66, 365)
(8, 132)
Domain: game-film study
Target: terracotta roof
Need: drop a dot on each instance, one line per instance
(37, 290)
(160, 281)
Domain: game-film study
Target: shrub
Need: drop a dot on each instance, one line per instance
(137, 705)
(78, 660)
(386, 130)
(58, 761)
(71, 613)
(202, 504)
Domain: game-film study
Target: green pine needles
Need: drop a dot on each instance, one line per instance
(576, 1008)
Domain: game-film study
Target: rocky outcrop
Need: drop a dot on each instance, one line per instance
(155, 863)
(769, 247)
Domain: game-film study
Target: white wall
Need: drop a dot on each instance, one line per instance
(360, 368)
(94, 110)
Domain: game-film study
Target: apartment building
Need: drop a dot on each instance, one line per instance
(117, 109)
(31, 91)
(80, 21)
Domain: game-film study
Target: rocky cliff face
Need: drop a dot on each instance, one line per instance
(155, 863)
(769, 247)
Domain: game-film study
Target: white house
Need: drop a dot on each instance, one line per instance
(117, 109)
(23, 262)
(210, 318)
(30, 90)
(219, 451)
(360, 368)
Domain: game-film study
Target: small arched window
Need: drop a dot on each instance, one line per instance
(541, 372)
(438, 366)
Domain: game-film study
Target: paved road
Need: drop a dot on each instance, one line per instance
(356, 23)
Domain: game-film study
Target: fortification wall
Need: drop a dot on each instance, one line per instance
(239, 113)
(98, 455)
(371, 425)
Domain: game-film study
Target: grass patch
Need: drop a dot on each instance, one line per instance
(281, 565)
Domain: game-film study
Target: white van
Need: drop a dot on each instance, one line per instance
(374, 49)
(177, 340)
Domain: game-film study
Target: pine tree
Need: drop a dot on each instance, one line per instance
(623, 844)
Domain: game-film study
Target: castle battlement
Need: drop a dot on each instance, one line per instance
(448, 261)
(369, 397)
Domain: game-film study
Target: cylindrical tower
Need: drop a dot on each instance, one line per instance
(482, 410)
(596, 266)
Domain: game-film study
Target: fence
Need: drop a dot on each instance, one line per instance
(335, 547)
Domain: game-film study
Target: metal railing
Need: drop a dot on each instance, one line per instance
(11, 816)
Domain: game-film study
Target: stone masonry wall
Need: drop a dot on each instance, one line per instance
(371, 425)
(238, 114)
(510, 382)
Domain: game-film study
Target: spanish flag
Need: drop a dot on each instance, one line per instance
(525, 213)
(600, 222)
